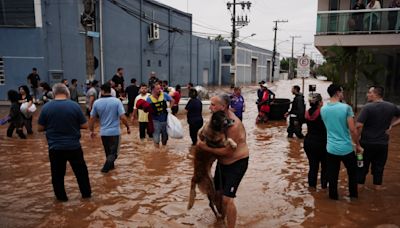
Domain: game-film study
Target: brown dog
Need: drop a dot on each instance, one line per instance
(214, 134)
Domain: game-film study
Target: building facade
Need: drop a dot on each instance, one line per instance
(253, 64)
(49, 35)
(375, 30)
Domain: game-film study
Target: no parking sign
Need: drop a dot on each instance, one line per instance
(303, 67)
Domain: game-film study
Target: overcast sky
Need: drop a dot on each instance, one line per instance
(213, 17)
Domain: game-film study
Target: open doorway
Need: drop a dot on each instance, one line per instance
(253, 70)
(205, 76)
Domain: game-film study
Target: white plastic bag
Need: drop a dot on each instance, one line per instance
(27, 111)
(174, 127)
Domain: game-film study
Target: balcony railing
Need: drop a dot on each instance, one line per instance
(358, 21)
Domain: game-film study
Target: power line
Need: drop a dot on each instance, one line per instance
(243, 21)
(163, 26)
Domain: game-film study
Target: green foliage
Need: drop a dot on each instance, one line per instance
(344, 66)
(330, 71)
(312, 63)
(219, 38)
(285, 64)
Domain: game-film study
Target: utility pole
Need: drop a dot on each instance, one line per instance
(240, 21)
(274, 51)
(88, 22)
(291, 64)
(233, 44)
(304, 48)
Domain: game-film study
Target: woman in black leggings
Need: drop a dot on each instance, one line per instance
(315, 142)
(194, 110)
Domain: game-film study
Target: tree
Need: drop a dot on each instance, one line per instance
(219, 38)
(312, 63)
(345, 65)
(284, 64)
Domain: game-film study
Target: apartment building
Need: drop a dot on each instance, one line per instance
(376, 30)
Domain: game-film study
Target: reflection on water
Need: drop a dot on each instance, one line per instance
(150, 188)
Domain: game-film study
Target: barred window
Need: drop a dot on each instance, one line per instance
(15, 13)
(2, 75)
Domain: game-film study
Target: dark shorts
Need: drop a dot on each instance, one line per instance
(227, 177)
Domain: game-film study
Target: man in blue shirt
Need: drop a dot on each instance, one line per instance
(339, 121)
(158, 100)
(110, 111)
(237, 103)
(62, 120)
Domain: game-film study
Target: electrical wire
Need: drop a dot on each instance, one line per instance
(162, 25)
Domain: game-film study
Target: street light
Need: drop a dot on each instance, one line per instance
(282, 42)
(253, 34)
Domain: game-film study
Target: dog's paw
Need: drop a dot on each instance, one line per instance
(232, 143)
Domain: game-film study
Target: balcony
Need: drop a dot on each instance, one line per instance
(345, 22)
(358, 28)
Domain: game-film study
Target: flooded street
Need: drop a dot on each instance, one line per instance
(150, 188)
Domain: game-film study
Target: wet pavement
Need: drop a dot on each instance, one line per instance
(150, 188)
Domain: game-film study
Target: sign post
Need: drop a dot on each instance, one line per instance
(303, 68)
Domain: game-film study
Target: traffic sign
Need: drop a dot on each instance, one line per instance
(303, 66)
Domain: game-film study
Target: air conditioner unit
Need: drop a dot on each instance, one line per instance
(154, 32)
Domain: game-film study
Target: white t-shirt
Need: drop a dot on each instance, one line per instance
(142, 116)
(377, 5)
(113, 93)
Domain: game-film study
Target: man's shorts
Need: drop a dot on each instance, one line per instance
(227, 177)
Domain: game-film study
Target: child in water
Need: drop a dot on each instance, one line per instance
(15, 116)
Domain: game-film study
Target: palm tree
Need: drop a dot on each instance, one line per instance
(346, 65)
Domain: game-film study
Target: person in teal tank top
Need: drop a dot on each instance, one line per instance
(341, 131)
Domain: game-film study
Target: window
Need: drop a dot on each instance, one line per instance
(2, 75)
(353, 2)
(159, 63)
(334, 5)
(19, 13)
(226, 59)
(333, 18)
(148, 63)
(226, 55)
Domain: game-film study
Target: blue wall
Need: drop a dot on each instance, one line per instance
(205, 57)
(126, 44)
(21, 49)
(59, 46)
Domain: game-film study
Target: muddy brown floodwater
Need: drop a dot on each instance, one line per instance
(150, 188)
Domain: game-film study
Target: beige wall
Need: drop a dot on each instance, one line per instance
(323, 5)
(344, 4)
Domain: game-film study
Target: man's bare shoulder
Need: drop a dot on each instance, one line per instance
(237, 129)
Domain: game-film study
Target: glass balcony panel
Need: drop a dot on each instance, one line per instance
(358, 21)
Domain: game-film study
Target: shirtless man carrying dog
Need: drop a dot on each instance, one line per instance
(232, 164)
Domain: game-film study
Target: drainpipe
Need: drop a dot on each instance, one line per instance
(197, 68)
(101, 41)
(141, 42)
(169, 47)
(191, 51)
